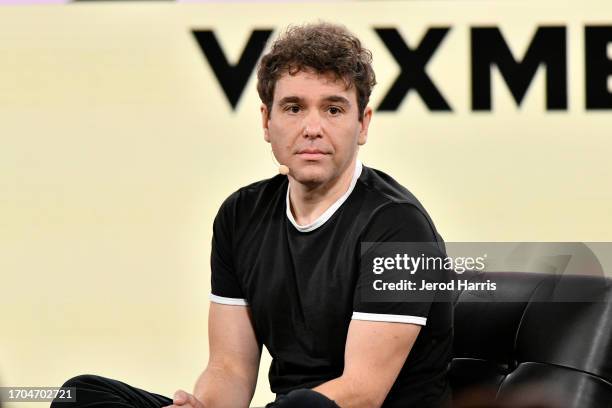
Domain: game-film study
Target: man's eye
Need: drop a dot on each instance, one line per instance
(334, 110)
(293, 109)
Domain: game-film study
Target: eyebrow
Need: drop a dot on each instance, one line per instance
(338, 98)
(330, 98)
(289, 99)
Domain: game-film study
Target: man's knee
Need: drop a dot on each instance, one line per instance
(303, 398)
(82, 379)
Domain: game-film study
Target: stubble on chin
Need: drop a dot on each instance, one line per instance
(309, 177)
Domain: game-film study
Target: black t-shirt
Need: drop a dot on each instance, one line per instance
(300, 283)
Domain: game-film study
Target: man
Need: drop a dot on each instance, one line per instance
(286, 253)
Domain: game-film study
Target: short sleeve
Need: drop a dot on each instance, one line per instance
(225, 285)
(395, 245)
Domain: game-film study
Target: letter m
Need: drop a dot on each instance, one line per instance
(548, 47)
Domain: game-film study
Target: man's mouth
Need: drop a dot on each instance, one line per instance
(311, 154)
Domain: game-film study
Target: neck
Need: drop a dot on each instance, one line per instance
(309, 202)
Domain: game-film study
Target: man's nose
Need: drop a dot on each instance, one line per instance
(313, 125)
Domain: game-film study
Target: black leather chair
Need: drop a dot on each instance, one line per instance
(535, 335)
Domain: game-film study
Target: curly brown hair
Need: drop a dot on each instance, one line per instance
(323, 48)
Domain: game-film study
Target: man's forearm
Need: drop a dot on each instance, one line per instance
(222, 387)
(348, 393)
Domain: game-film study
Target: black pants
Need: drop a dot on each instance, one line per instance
(99, 392)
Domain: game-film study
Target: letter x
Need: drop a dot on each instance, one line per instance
(412, 64)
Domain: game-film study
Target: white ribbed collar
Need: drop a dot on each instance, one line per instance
(330, 211)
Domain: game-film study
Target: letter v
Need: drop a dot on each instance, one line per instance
(232, 78)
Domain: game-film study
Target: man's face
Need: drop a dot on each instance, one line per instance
(314, 126)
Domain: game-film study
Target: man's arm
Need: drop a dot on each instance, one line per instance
(231, 375)
(376, 351)
(374, 355)
(230, 378)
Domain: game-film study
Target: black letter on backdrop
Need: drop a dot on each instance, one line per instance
(598, 67)
(412, 64)
(232, 78)
(547, 47)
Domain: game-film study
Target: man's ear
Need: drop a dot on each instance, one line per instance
(365, 123)
(265, 118)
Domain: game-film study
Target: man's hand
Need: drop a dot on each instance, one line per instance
(185, 399)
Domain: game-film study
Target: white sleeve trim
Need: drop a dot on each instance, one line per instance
(377, 317)
(228, 301)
